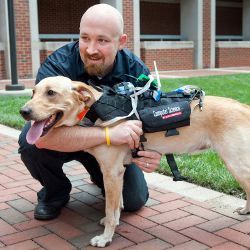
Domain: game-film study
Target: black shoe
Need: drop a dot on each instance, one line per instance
(49, 211)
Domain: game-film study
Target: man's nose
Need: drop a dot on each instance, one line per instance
(92, 48)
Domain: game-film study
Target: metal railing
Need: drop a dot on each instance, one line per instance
(151, 37)
(68, 37)
(143, 37)
(229, 38)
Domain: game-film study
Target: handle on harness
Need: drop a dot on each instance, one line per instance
(135, 151)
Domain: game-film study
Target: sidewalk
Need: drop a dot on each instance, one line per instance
(178, 215)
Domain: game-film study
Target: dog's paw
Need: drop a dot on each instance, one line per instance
(100, 241)
(242, 211)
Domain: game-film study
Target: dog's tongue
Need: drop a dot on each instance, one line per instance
(35, 132)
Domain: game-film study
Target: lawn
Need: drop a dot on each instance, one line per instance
(204, 169)
(9, 110)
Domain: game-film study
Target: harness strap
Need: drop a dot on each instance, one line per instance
(174, 169)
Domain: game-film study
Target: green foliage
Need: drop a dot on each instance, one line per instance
(233, 86)
(9, 111)
(206, 169)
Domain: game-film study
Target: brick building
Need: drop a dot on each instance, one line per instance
(178, 34)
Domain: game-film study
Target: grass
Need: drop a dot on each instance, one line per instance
(205, 169)
(233, 86)
(9, 111)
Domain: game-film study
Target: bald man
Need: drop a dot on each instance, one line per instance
(98, 58)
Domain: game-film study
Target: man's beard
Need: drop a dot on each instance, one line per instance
(94, 69)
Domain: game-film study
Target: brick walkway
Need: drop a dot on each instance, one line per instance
(169, 220)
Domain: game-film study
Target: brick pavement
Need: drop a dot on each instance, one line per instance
(168, 221)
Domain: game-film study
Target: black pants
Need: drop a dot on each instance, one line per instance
(46, 166)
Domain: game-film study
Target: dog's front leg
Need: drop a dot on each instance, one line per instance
(113, 183)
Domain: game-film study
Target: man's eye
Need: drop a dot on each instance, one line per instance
(51, 92)
(102, 41)
(84, 38)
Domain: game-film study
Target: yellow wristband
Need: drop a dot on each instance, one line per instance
(107, 136)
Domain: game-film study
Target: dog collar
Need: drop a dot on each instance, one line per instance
(81, 115)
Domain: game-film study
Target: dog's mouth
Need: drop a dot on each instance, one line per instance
(41, 128)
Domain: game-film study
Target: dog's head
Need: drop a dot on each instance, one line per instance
(56, 101)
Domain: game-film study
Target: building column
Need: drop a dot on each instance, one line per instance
(206, 33)
(137, 31)
(23, 38)
(34, 36)
(246, 20)
(213, 33)
(115, 3)
(192, 28)
(128, 16)
(4, 40)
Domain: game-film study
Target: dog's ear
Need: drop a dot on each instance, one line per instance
(84, 93)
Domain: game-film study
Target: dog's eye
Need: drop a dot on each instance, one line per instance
(51, 92)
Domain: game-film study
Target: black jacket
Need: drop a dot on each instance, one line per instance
(66, 61)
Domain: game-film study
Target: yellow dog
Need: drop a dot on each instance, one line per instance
(224, 125)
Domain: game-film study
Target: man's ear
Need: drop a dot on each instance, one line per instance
(122, 41)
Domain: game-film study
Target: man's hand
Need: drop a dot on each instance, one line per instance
(148, 161)
(127, 132)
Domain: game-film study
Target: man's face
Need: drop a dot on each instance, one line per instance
(98, 43)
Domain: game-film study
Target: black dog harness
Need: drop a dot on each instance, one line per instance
(171, 111)
(167, 112)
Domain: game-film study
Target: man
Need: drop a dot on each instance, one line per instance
(98, 58)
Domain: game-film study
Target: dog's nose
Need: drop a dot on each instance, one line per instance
(26, 112)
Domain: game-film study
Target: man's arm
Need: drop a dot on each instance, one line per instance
(72, 139)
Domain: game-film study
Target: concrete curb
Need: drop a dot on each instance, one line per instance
(25, 92)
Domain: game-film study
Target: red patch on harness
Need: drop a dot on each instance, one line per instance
(171, 115)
